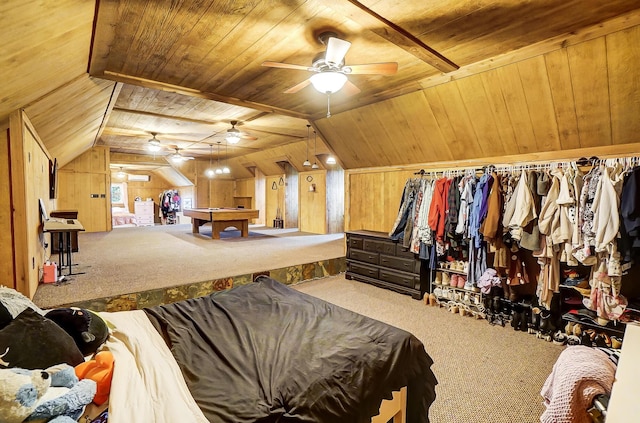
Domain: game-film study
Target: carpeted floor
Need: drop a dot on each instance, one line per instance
(486, 373)
(136, 259)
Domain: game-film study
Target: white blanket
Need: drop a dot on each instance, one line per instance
(579, 374)
(147, 384)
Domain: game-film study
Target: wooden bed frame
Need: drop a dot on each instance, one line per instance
(394, 408)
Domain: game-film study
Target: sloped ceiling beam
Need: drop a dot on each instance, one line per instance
(391, 32)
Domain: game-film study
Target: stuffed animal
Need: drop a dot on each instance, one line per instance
(99, 369)
(53, 395)
(20, 391)
(87, 329)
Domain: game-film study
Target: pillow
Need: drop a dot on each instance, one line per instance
(32, 341)
(86, 328)
(5, 316)
(15, 302)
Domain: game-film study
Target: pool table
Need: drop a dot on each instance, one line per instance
(220, 219)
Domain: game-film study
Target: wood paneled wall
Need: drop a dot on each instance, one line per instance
(583, 95)
(291, 210)
(313, 201)
(335, 200)
(85, 185)
(373, 199)
(275, 192)
(29, 176)
(7, 276)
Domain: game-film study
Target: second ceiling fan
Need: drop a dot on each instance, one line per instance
(330, 70)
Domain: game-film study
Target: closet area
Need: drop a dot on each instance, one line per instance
(550, 249)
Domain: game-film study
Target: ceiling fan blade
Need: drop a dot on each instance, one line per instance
(248, 137)
(285, 66)
(336, 50)
(298, 87)
(349, 88)
(387, 68)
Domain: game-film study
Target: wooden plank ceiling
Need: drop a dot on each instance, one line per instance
(475, 78)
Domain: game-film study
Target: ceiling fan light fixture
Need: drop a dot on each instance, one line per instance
(177, 158)
(154, 146)
(121, 174)
(328, 82)
(233, 139)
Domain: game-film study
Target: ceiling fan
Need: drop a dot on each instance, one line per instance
(154, 144)
(234, 135)
(330, 71)
(177, 157)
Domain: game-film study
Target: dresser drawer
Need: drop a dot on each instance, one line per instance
(362, 269)
(144, 220)
(405, 264)
(404, 252)
(355, 242)
(366, 256)
(404, 279)
(143, 207)
(379, 246)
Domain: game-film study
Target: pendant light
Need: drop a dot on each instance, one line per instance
(315, 164)
(210, 172)
(226, 169)
(218, 168)
(331, 160)
(307, 163)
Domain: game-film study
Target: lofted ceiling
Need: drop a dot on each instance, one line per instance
(476, 78)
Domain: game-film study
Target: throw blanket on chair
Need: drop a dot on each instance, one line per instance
(577, 377)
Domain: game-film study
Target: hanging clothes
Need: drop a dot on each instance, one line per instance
(437, 211)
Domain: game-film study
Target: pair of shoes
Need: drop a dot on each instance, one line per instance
(433, 301)
(458, 281)
(547, 325)
(560, 338)
(573, 340)
(445, 278)
(534, 324)
(517, 317)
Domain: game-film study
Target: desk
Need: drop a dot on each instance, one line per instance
(221, 219)
(55, 242)
(63, 228)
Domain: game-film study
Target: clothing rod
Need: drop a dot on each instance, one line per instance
(536, 165)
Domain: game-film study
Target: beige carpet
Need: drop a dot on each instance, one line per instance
(486, 373)
(128, 260)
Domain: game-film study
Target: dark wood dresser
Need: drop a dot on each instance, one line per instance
(374, 258)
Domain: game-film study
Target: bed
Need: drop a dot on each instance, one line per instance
(121, 216)
(263, 352)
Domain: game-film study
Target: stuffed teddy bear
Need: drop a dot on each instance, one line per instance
(87, 329)
(20, 391)
(53, 395)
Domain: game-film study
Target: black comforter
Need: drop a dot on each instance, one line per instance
(267, 353)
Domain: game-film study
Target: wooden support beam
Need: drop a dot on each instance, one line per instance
(157, 85)
(391, 32)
